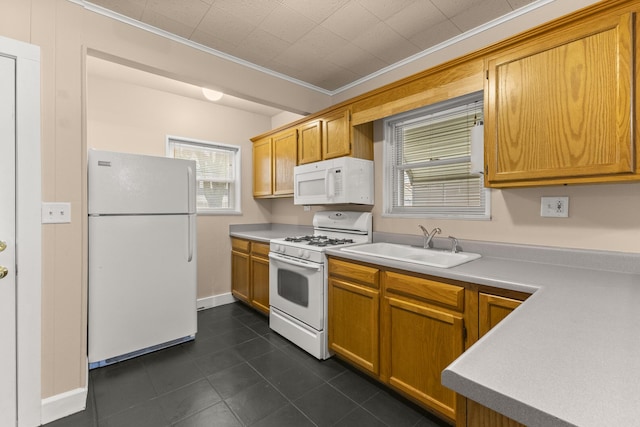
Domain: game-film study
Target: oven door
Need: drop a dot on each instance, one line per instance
(296, 287)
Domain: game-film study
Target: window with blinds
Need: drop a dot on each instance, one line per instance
(428, 161)
(217, 173)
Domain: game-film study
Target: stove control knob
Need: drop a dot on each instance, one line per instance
(306, 254)
(278, 248)
(301, 253)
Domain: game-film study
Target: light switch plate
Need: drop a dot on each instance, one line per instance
(56, 213)
(555, 207)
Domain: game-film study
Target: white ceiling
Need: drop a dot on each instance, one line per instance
(98, 67)
(326, 44)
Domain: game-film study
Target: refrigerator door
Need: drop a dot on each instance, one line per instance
(142, 276)
(124, 184)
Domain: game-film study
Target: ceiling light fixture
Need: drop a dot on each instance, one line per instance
(212, 95)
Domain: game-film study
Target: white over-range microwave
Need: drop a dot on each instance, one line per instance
(335, 181)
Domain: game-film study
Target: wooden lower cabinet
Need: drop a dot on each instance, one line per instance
(405, 329)
(481, 416)
(240, 278)
(260, 277)
(354, 301)
(250, 273)
(420, 339)
(492, 309)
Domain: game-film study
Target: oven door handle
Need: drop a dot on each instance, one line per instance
(293, 262)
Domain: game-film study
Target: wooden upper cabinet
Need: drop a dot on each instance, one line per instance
(274, 158)
(262, 163)
(285, 146)
(336, 138)
(559, 106)
(310, 142)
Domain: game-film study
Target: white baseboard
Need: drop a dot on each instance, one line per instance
(215, 300)
(63, 404)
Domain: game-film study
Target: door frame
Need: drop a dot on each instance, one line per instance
(28, 229)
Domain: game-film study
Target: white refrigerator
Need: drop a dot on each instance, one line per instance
(142, 254)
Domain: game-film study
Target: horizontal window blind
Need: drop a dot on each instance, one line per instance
(216, 172)
(428, 161)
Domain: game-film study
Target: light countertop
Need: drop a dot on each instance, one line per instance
(569, 355)
(265, 232)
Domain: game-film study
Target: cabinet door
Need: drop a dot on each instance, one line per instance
(492, 309)
(419, 341)
(262, 167)
(240, 277)
(336, 138)
(260, 283)
(481, 416)
(354, 323)
(560, 106)
(310, 142)
(260, 276)
(284, 160)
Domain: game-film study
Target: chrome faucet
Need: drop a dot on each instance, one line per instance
(428, 236)
(454, 244)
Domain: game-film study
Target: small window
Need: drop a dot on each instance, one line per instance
(217, 173)
(428, 161)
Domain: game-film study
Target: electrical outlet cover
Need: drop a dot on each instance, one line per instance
(56, 213)
(554, 207)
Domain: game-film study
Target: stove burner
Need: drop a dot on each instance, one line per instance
(330, 242)
(319, 241)
(298, 239)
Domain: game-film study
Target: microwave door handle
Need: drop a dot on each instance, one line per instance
(326, 182)
(330, 185)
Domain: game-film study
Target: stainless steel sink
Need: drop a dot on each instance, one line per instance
(406, 253)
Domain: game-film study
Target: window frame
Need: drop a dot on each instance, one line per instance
(236, 209)
(389, 178)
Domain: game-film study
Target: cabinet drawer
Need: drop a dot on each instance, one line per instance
(357, 272)
(260, 249)
(450, 296)
(240, 245)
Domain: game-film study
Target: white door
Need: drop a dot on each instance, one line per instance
(142, 283)
(8, 331)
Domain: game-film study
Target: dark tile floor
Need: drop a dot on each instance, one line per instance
(238, 373)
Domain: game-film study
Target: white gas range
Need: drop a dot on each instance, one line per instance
(298, 277)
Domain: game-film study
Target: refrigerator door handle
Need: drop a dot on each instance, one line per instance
(191, 208)
(192, 239)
